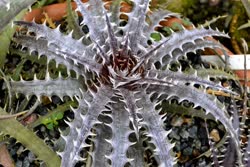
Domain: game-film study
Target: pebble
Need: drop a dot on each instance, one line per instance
(31, 157)
(175, 134)
(202, 163)
(221, 127)
(197, 144)
(203, 1)
(177, 121)
(188, 151)
(188, 121)
(193, 131)
(42, 129)
(184, 134)
(202, 133)
(214, 2)
(214, 134)
(177, 146)
(56, 100)
(196, 152)
(20, 150)
(19, 163)
(26, 162)
(204, 148)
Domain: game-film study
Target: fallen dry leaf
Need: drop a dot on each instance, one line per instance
(5, 158)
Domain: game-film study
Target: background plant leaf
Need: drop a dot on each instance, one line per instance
(29, 139)
(246, 25)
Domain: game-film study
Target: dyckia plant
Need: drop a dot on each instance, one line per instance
(126, 75)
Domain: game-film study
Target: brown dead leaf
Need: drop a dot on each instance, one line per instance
(5, 158)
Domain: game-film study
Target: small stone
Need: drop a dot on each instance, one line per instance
(197, 144)
(52, 133)
(188, 121)
(203, 1)
(214, 2)
(43, 129)
(193, 132)
(31, 157)
(20, 150)
(221, 127)
(19, 163)
(26, 162)
(196, 152)
(183, 146)
(174, 134)
(202, 162)
(31, 118)
(204, 148)
(177, 121)
(184, 134)
(188, 151)
(177, 146)
(42, 164)
(214, 134)
(56, 100)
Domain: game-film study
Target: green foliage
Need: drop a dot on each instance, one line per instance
(156, 36)
(51, 119)
(51, 122)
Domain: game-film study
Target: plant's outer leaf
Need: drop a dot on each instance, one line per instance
(48, 87)
(64, 44)
(115, 13)
(81, 125)
(154, 124)
(112, 39)
(176, 42)
(94, 17)
(135, 25)
(136, 152)
(10, 8)
(207, 73)
(170, 107)
(120, 134)
(41, 46)
(154, 20)
(190, 47)
(165, 77)
(29, 140)
(230, 157)
(246, 157)
(102, 147)
(209, 103)
(132, 110)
